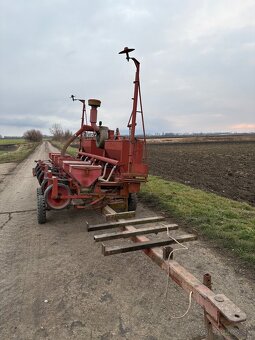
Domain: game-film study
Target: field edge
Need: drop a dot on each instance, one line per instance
(230, 223)
(17, 156)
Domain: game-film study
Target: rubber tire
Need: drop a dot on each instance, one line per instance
(41, 209)
(38, 171)
(47, 191)
(41, 177)
(132, 202)
(39, 191)
(36, 167)
(44, 185)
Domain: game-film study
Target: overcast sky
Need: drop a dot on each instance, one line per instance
(197, 63)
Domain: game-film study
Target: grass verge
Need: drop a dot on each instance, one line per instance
(70, 150)
(19, 154)
(230, 223)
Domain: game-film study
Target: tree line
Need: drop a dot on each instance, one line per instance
(57, 132)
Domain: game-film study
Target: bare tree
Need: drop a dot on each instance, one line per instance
(59, 134)
(33, 135)
(67, 134)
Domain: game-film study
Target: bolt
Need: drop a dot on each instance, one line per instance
(218, 298)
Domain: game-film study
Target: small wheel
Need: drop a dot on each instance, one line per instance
(132, 202)
(38, 171)
(41, 177)
(57, 203)
(41, 209)
(44, 185)
(39, 191)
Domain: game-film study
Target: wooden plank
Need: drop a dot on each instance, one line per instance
(124, 223)
(140, 231)
(107, 210)
(146, 245)
(116, 215)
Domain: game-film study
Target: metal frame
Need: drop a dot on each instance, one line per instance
(114, 165)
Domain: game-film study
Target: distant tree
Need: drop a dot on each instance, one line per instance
(67, 134)
(58, 134)
(33, 135)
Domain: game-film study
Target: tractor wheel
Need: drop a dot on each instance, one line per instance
(39, 191)
(57, 203)
(132, 202)
(41, 209)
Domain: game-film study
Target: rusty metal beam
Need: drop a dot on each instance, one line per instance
(140, 231)
(200, 293)
(228, 330)
(146, 245)
(117, 224)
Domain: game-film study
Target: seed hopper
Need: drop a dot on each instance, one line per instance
(107, 170)
(107, 173)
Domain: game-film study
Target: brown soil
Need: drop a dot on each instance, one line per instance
(224, 168)
(203, 139)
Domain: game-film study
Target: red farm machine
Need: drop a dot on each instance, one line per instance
(107, 170)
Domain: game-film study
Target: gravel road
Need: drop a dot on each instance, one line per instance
(55, 284)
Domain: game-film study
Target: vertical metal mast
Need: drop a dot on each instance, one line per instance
(137, 97)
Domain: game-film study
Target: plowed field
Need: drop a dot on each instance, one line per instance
(227, 169)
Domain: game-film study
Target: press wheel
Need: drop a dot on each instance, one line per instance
(57, 203)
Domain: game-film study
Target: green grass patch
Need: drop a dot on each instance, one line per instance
(70, 150)
(230, 223)
(9, 141)
(21, 152)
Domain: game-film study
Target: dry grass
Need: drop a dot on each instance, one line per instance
(22, 151)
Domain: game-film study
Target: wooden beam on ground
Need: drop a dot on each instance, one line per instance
(140, 231)
(146, 245)
(118, 215)
(124, 223)
(108, 210)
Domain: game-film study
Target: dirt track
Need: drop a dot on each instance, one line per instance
(55, 284)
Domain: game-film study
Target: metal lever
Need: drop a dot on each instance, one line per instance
(73, 98)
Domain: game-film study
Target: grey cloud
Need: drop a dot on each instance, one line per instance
(190, 79)
(26, 122)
